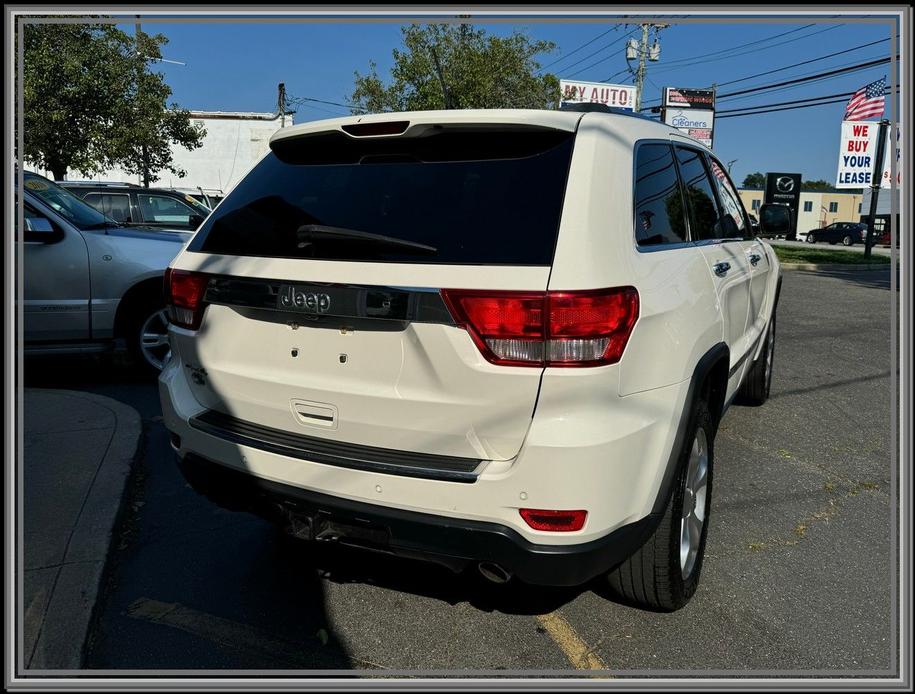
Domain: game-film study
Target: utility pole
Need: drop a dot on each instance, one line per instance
(645, 53)
(144, 154)
(875, 184)
(281, 103)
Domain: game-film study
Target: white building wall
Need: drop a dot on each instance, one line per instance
(234, 142)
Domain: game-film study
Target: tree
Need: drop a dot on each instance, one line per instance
(447, 66)
(755, 180)
(91, 102)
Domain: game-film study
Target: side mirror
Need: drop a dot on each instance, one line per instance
(38, 225)
(39, 230)
(775, 220)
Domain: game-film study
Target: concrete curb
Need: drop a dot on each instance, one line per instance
(70, 606)
(835, 267)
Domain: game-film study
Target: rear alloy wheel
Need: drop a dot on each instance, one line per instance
(663, 573)
(847, 241)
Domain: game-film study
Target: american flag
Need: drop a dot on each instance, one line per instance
(867, 102)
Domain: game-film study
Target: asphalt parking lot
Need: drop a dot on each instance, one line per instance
(798, 577)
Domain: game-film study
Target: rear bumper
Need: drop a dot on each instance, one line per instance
(455, 543)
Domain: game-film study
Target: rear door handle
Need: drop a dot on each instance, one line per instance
(755, 258)
(721, 269)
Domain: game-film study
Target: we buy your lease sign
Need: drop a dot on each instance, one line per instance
(858, 151)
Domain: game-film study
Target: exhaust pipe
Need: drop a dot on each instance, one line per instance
(493, 572)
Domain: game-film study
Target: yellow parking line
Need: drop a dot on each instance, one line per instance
(577, 651)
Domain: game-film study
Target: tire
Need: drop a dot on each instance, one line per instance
(811, 238)
(659, 576)
(147, 317)
(847, 241)
(756, 385)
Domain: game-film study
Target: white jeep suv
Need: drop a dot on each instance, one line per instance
(499, 339)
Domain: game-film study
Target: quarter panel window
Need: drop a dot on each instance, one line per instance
(730, 202)
(659, 214)
(116, 206)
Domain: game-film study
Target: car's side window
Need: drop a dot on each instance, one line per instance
(730, 201)
(114, 205)
(701, 204)
(659, 213)
(162, 209)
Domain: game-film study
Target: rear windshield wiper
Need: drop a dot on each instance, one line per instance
(308, 232)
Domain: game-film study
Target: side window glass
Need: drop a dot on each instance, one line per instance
(164, 210)
(730, 202)
(117, 207)
(659, 213)
(703, 210)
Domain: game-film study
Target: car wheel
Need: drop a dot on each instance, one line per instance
(663, 573)
(756, 385)
(811, 238)
(847, 241)
(147, 337)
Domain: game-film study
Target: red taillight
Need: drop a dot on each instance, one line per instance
(184, 295)
(554, 521)
(575, 328)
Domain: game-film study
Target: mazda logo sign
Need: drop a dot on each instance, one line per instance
(785, 184)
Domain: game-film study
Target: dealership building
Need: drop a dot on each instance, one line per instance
(233, 143)
(816, 209)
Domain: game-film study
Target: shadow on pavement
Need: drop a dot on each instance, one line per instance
(875, 279)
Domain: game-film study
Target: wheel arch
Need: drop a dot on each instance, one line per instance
(708, 382)
(142, 290)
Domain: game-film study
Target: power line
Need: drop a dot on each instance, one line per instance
(585, 69)
(809, 78)
(748, 110)
(805, 62)
(299, 99)
(571, 53)
(743, 45)
(816, 79)
(591, 55)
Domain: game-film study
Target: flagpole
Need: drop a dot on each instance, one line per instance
(875, 184)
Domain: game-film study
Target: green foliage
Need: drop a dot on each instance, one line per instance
(755, 180)
(91, 102)
(446, 66)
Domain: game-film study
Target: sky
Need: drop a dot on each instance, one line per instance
(237, 66)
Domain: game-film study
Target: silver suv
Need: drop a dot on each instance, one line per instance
(88, 280)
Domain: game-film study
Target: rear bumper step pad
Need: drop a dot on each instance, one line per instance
(340, 454)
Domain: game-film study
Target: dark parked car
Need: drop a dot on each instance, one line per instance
(846, 233)
(134, 205)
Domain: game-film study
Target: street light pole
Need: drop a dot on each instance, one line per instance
(733, 161)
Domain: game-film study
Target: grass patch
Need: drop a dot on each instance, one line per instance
(821, 256)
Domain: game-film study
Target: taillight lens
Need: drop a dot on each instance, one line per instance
(554, 521)
(184, 295)
(575, 328)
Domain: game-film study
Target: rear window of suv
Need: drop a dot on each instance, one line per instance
(456, 197)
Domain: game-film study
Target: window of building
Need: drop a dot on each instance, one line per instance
(659, 217)
(755, 203)
(808, 206)
(859, 208)
(833, 207)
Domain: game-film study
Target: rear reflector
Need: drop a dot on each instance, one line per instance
(554, 521)
(184, 295)
(574, 328)
(394, 127)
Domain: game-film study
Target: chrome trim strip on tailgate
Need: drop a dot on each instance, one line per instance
(338, 453)
(336, 300)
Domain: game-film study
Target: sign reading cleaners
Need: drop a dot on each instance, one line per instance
(692, 111)
(693, 122)
(614, 95)
(785, 189)
(857, 152)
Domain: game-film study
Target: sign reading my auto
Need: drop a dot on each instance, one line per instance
(615, 95)
(857, 154)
